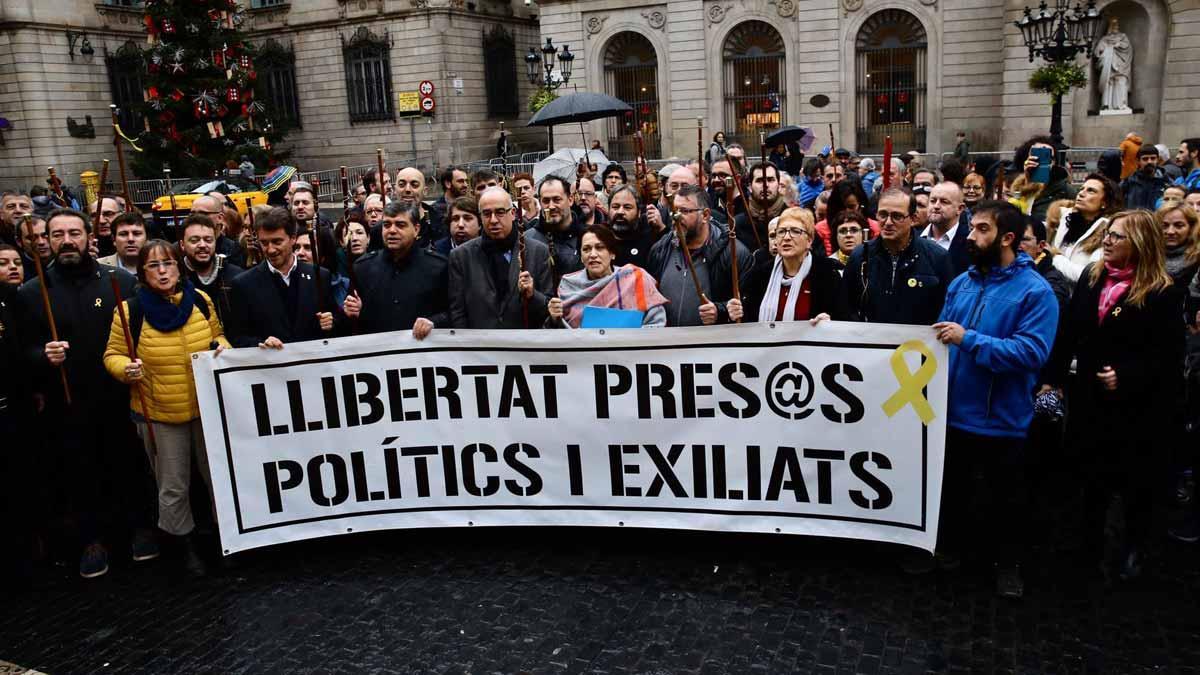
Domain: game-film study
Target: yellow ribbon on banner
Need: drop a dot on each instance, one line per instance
(911, 383)
(132, 141)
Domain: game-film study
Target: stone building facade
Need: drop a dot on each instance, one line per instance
(50, 90)
(918, 70)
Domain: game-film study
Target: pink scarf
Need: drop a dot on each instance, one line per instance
(1116, 285)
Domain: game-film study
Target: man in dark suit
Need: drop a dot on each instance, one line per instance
(402, 287)
(491, 281)
(948, 228)
(276, 301)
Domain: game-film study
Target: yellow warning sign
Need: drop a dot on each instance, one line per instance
(409, 102)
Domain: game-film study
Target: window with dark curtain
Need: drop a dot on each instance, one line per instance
(369, 77)
(277, 75)
(125, 81)
(500, 73)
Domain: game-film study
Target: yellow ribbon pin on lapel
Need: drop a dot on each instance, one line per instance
(911, 383)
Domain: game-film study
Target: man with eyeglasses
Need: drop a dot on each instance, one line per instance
(587, 202)
(557, 226)
(495, 277)
(709, 247)
(898, 277)
(92, 440)
(718, 194)
(103, 235)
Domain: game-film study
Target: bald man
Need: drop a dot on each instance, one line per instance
(214, 207)
(409, 188)
(948, 224)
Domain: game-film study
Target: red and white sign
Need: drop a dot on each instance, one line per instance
(427, 104)
(426, 88)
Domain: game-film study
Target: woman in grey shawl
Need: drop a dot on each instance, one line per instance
(628, 288)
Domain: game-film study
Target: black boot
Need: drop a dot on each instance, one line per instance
(192, 564)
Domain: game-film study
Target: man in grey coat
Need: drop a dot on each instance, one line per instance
(491, 282)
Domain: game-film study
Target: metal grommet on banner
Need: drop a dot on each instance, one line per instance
(349, 529)
(324, 342)
(777, 530)
(195, 355)
(470, 523)
(772, 324)
(602, 331)
(621, 523)
(452, 331)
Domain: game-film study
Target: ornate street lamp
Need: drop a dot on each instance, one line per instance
(1058, 35)
(539, 67)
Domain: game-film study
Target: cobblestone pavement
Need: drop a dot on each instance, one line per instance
(555, 600)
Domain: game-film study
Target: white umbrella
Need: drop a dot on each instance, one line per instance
(565, 163)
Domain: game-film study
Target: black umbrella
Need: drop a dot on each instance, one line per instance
(581, 106)
(791, 134)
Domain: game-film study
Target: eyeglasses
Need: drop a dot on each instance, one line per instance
(498, 213)
(849, 230)
(585, 194)
(792, 232)
(1116, 237)
(374, 212)
(685, 211)
(161, 265)
(894, 216)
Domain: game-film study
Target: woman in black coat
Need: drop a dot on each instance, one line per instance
(769, 286)
(1124, 328)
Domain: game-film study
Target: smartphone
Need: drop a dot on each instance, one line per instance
(1045, 157)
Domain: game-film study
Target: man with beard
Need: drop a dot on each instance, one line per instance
(764, 179)
(403, 287)
(717, 192)
(208, 270)
(464, 225)
(634, 237)
(557, 228)
(493, 278)
(275, 302)
(34, 238)
(994, 367)
(709, 247)
(455, 183)
(1144, 187)
(304, 208)
(129, 236)
(14, 206)
(370, 182)
(93, 448)
(946, 227)
(897, 277)
(103, 236)
(216, 207)
(586, 202)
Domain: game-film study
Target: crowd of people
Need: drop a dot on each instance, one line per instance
(1070, 312)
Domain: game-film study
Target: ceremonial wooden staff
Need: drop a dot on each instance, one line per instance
(41, 275)
(887, 162)
(521, 263)
(116, 289)
(56, 185)
(700, 150)
(639, 167)
(253, 231)
(832, 140)
(315, 237)
(345, 193)
(121, 158)
(733, 257)
(998, 185)
(171, 193)
(100, 199)
(736, 167)
(379, 176)
(681, 235)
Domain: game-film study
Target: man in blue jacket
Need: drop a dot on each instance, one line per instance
(1000, 319)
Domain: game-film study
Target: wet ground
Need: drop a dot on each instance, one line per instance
(602, 601)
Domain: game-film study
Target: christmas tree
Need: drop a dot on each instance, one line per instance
(200, 108)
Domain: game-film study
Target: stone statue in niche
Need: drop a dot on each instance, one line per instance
(1115, 55)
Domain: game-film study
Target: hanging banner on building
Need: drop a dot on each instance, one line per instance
(836, 430)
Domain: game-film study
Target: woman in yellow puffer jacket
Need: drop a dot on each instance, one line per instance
(173, 327)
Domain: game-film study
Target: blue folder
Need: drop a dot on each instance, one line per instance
(605, 317)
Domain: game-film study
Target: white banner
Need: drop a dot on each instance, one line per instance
(836, 430)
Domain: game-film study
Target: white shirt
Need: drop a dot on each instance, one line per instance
(945, 240)
(286, 276)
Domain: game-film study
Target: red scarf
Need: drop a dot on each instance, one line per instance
(1116, 285)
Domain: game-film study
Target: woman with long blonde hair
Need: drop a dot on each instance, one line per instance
(1181, 233)
(1124, 328)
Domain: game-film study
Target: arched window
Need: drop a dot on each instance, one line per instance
(755, 85)
(631, 74)
(890, 76)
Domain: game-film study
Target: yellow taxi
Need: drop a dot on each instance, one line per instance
(169, 211)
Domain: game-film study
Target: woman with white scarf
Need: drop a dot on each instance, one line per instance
(1077, 241)
(796, 285)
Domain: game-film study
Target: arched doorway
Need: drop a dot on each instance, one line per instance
(631, 74)
(754, 82)
(890, 81)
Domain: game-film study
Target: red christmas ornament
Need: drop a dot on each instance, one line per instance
(150, 27)
(244, 62)
(232, 94)
(881, 99)
(152, 92)
(153, 68)
(645, 109)
(214, 14)
(168, 26)
(166, 118)
(902, 97)
(222, 111)
(177, 95)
